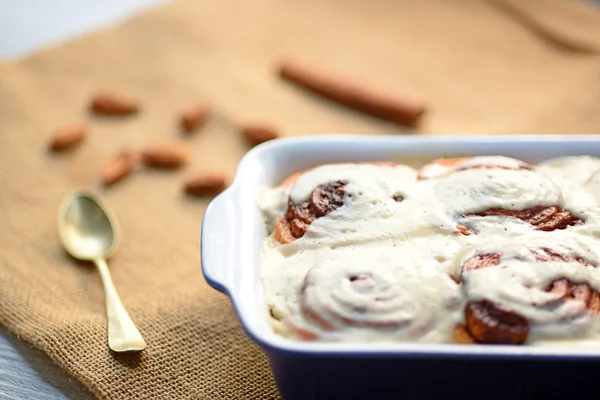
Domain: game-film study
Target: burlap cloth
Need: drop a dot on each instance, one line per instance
(482, 66)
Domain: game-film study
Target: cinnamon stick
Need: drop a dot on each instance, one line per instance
(352, 93)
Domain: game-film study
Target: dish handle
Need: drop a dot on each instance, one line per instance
(218, 226)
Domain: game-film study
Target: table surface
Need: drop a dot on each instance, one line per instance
(26, 26)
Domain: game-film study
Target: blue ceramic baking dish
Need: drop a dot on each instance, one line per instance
(232, 234)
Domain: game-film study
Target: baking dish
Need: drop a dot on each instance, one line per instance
(232, 234)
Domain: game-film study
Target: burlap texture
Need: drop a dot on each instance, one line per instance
(482, 67)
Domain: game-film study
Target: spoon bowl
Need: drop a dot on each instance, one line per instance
(88, 231)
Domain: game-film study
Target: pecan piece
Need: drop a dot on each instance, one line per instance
(118, 167)
(205, 183)
(255, 133)
(114, 103)
(193, 117)
(67, 137)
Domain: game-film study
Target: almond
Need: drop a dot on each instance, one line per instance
(118, 167)
(168, 155)
(68, 136)
(205, 183)
(193, 117)
(114, 103)
(257, 133)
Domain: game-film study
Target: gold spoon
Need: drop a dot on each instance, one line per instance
(89, 232)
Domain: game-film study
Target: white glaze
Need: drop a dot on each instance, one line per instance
(378, 181)
(435, 170)
(414, 245)
(475, 190)
(273, 203)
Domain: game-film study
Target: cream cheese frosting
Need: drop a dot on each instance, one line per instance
(386, 265)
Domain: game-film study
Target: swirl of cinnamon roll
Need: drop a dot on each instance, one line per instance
(323, 200)
(500, 187)
(342, 297)
(519, 290)
(540, 217)
(318, 192)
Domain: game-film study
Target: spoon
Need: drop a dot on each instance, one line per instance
(89, 232)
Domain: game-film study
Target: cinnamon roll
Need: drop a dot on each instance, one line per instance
(370, 298)
(517, 289)
(318, 192)
(499, 187)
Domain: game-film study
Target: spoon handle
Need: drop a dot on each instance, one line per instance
(122, 333)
